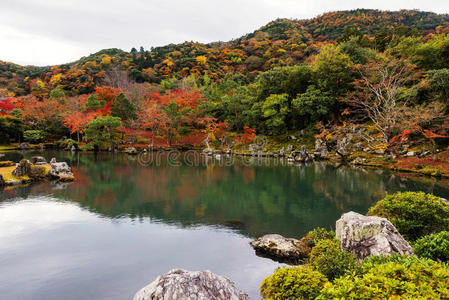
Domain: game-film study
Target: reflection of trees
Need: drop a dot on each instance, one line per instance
(255, 199)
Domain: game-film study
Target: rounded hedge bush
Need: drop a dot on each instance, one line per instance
(34, 136)
(293, 283)
(434, 246)
(414, 214)
(387, 278)
(327, 258)
(307, 242)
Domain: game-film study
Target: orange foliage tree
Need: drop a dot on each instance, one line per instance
(77, 121)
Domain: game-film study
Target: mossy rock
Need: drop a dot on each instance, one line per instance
(37, 171)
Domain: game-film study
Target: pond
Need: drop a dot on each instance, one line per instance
(127, 219)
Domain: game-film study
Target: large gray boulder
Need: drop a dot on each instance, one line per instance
(278, 247)
(181, 284)
(365, 236)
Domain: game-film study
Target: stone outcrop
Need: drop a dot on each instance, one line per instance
(365, 236)
(61, 170)
(321, 146)
(38, 160)
(131, 151)
(181, 284)
(22, 169)
(24, 146)
(278, 247)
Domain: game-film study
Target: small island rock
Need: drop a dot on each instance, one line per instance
(61, 170)
(38, 160)
(366, 236)
(278, 247)
(181, 284)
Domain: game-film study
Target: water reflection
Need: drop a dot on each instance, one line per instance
(254, 199)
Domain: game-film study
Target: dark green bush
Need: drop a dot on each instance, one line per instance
(414, 214)
(293, 283)
(312, 238)
(327, 258)
(434, 246)
(385, 278)
(34, 136)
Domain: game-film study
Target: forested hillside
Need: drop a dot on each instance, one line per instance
(380, 77)
(282, 42)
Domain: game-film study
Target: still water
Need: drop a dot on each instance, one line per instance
(126, 220)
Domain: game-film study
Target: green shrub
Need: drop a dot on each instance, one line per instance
(34, 136)
(385, 278)
(414, 214)
(293, 283)
(66, 143)
(312, 238)
(327, 258)
(434, 246)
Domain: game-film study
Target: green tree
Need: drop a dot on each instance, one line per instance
(333, 69)
(314, 104)
(357, 53)
(440, 82)
(93, 103)
(121, 107)
(279, 80)
(34, 136)
(275, 109)
(58, 94)
(101, 132)
(11, 128)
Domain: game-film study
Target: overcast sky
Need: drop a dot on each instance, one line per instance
(47, 32)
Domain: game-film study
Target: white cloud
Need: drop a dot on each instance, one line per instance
(57, 31)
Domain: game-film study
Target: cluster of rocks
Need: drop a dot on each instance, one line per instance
(212, 152)
(131, 151)
(38, 169)
(360, 235)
